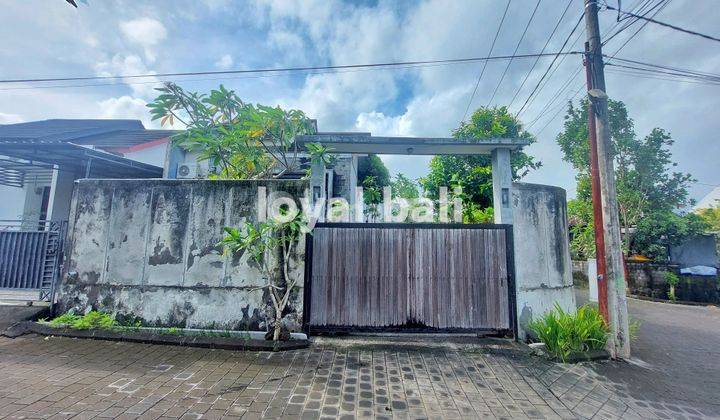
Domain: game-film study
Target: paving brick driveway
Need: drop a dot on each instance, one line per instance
(70, 378)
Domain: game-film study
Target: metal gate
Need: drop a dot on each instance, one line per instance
(426, 277)
(30, 255)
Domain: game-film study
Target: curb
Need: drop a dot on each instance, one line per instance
(225, 343)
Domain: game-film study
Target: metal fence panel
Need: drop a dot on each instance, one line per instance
(30, 255)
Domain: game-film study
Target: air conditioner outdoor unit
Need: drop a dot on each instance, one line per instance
(186, 171)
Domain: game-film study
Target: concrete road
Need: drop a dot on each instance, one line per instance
(676, 356)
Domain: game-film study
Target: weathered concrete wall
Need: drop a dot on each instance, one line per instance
(148, 249)
(580, 274)
(543, 269)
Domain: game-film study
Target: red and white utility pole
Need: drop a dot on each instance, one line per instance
(596, 200)
(614, 279)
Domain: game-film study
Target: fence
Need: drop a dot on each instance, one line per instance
(30, 255)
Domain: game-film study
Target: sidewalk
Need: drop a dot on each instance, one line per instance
(64, 378)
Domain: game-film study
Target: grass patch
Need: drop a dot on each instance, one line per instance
(92, 319)
(105, 321)
(565, 333)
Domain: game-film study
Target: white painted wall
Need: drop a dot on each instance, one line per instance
(154, 155)
(12, 200)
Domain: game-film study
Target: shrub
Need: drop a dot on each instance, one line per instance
(565, 333)
(92, 319)
(65, 319)
(672, 280)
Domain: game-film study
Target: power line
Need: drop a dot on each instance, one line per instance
(655, 71)
(546, 108)
(667, 25)
(666, 67)
(551, 64)
(552, 73)
(543, 50)
(558, 94)
(650, 76)
(257, 76)
(631, 37)
(634, 21)
(527, 26)
(560, 108)
(294, 69)
(477, 83)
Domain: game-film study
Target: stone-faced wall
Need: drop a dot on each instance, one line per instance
(648, 279)
(148, 249)
(543, 269)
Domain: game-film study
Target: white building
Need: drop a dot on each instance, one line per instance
(40, 160)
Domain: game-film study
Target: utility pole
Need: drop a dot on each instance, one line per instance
(619, 343)
(596, 199)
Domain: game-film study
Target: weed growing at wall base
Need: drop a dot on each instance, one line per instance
(92, 319)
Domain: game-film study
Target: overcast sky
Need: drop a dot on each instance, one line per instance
(51, 38)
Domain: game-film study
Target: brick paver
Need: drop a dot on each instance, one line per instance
(71, 378)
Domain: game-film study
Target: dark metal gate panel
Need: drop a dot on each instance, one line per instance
(30, 255)
(376, 276)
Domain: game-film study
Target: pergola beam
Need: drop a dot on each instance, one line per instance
(363, 143)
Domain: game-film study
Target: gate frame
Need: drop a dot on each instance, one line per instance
(509, 258)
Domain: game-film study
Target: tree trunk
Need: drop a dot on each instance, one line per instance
(278, 325)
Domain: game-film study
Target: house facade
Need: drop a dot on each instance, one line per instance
(148, 249)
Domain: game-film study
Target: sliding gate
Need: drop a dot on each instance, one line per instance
(31, 254)
(427, 277)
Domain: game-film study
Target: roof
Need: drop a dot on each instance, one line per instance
(33, 149)
(31, 162)
(367, 143)
(709, 201)
(100, 133)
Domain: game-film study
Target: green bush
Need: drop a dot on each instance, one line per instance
(672, 280)
(565, 333)
(92, 319)
(65, 319)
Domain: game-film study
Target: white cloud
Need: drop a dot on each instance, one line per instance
(379, 124)
(10, 118)
(426, 101)
(426, 115)
(125, 65)
(125, 107)
(146, 32)
(225, 62)
(287, 41)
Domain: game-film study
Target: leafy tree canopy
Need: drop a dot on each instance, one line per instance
(372, 165)
(712, 217)
(404, 187)
(474, 173)
(649, 191)
(241, 139)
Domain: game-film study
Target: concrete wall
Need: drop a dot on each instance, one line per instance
(148, 249)
(543, 269)
(648, 279)
(62, 184)
(580, 274)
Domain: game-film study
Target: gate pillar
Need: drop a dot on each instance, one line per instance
(502, 186)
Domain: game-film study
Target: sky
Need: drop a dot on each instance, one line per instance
(52, 39)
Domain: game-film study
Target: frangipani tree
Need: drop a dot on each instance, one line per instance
(243, 140)
(262, 241)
